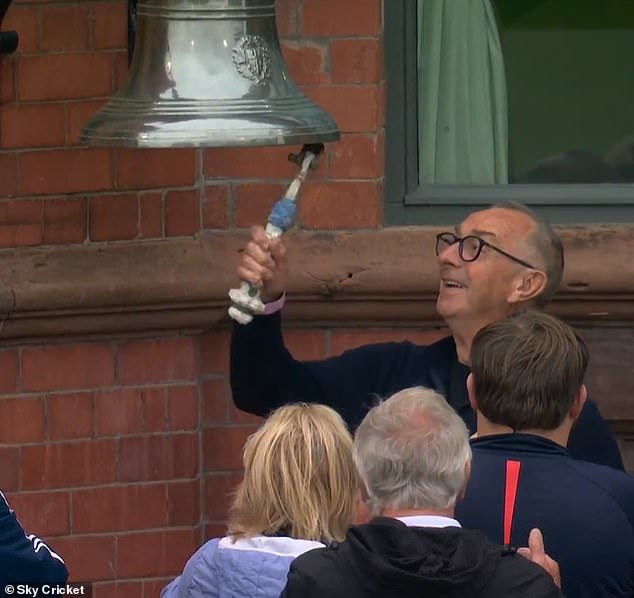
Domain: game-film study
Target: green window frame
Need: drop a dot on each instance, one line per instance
(407, 202)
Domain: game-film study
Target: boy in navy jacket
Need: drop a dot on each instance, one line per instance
(526, 386)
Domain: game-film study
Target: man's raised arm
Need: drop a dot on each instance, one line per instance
(264, 374)
(261, 366)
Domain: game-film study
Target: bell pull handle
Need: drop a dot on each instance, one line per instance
(245, 300)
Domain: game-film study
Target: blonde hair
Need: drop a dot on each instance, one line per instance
(299, 477)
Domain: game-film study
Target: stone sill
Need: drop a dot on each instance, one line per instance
(379, 278)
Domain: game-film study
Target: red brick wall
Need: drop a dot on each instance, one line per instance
(100, 453)
(122, 451)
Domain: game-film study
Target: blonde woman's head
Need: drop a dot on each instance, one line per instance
(299, 477)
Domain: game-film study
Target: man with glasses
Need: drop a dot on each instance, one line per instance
(496, 262)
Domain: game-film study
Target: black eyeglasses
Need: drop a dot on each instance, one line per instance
(470, 247)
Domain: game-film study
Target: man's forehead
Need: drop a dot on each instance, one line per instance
(465, 229)
(495, 223)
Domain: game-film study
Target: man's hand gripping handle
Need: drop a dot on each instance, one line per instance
(245, 300)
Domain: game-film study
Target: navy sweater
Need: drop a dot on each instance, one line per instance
(585, 511)
(264, 376)
(25, 559)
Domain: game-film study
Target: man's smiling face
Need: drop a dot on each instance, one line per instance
(480, 291)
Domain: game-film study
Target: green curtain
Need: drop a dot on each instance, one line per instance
(463, 131)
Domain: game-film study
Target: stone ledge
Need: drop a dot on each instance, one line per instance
(385, 277)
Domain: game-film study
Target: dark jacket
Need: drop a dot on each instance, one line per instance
(387, 559)
(265, 376)
(585, 511)
(25, 558)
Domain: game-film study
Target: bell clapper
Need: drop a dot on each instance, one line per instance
(246, 301)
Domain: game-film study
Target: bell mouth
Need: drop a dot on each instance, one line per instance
(125, 122)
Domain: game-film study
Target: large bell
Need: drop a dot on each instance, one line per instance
(208, 73)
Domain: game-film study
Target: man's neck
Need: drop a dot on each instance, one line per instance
(463, 333)
(559, 435)
(463, 345)
(396, 513)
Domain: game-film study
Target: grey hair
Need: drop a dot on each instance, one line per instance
(411, 452)
(547, 246)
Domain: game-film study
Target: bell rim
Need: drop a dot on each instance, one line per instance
(203, 139)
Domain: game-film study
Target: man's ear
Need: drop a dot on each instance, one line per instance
(471, 392)
(528, 286)
(579, 402)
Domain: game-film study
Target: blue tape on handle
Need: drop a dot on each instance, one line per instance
(283, 213)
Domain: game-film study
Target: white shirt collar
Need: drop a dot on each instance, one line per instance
(279, 545)
(429, 521)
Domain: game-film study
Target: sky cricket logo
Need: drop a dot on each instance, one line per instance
(69, 589)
